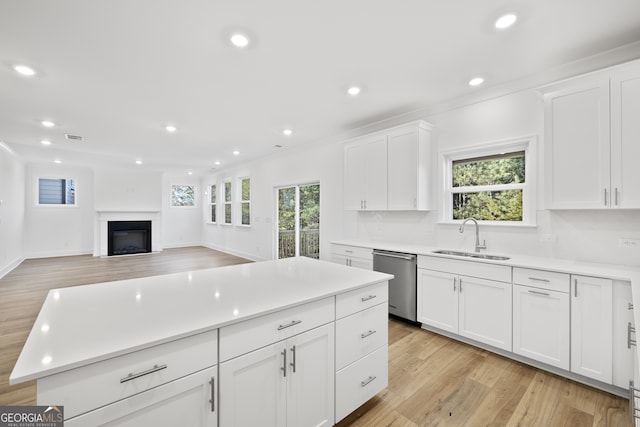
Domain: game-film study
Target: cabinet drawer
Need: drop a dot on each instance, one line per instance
(98, 384)
(352, 251)
(360, 299)
(481, 270)
(360, 381)
(361, 333)
(243, 337)
(542, 279)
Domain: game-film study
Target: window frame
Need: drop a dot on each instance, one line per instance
(528, 144)
(213, 204)
(36, 185)
(226, 203)
(242, 201)
(195, 196)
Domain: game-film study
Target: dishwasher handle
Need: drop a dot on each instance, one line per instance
(408, 257)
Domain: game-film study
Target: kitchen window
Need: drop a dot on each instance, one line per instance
(493, 183)
(56, 191)
(213, 204)
(245, 201)
(227, 203)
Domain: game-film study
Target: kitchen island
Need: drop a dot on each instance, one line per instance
(114, 350)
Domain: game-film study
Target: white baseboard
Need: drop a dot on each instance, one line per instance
(9, 267)
(36, 255)
(252, 257)
(180, 245)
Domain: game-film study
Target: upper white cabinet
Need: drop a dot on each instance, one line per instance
(590, 141)
(389, 170)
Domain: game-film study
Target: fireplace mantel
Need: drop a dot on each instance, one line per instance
(102, 218)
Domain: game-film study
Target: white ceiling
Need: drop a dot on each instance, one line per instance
(116, 72)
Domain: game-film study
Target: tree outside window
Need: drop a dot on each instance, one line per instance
(183, 195)
(245, 201)
(212, 203)
(227, 203)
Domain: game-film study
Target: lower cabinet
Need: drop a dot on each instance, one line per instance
(189, 401)
(624, 336)
(352, 256)
(475, 308)
(288, 383)
(592, 327)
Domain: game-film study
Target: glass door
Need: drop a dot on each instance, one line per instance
(299, 221)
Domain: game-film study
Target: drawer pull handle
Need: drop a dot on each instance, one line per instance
(367, 381)
(288, 325)
(368, 298)
(536, 279)
(133, 376)
(212, 383)
(348, 251)
(629, 306)
(367, 334)
(630, 330)
(540, 293)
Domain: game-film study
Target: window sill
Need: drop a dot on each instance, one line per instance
(484, 224)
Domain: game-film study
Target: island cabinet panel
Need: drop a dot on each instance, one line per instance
(92, 386)
(186, 402)
(288, 383)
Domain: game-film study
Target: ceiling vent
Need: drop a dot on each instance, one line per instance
(74, 137)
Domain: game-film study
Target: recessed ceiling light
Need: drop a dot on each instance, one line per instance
(287, 132)
(171, 128)
(354, 90)
(47, 123)
(505, 21)
(24, 70)
(138, 162)
(217, 163)
(476, 81)
(57, 161)
(239, 40)
(45, 142)
(236, 153)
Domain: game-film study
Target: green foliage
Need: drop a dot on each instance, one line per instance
(246, 189)
(499, 205)
(183, 195)
(309, 208)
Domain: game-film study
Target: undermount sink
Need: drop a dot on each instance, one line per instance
(472, 255)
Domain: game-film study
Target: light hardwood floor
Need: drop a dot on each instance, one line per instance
(433, 380)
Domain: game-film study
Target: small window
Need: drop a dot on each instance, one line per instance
(227, 202)
(245, 201)
(212, 204)
(491, 184)
(56, 191)
(183, 196)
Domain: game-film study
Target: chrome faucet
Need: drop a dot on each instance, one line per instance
(478, 245)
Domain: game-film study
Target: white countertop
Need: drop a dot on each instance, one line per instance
(85, 324)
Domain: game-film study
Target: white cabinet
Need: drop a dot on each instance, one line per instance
(361, 346)
(591, 327)
(409, 163)
(541, 316)
(592, 121)
(624, 337)
(366, 173)
(352, 256)
(288, 383)
(389, 170)
(189, 401)
(473, 307)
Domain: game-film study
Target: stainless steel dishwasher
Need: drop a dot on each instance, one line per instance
(402, 288)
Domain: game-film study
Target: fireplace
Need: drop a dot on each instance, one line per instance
(128, 237)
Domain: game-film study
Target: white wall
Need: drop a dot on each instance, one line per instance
(58, 230)
(319, 163)
(181, 226)
(128, 190)
(12, 173)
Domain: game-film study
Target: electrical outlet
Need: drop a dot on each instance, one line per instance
(549, 238)
(629, 243)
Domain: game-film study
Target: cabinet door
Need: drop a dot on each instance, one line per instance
(438, 299)
(625, 137)
(183, 402)
(354, 174)
(340, 259)
(402, 149)
(541, 325)
(577, 133)
(623, 350)
(376, 173)
(310, 378)
(591, 327)
(485, 311)
(252, 388)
